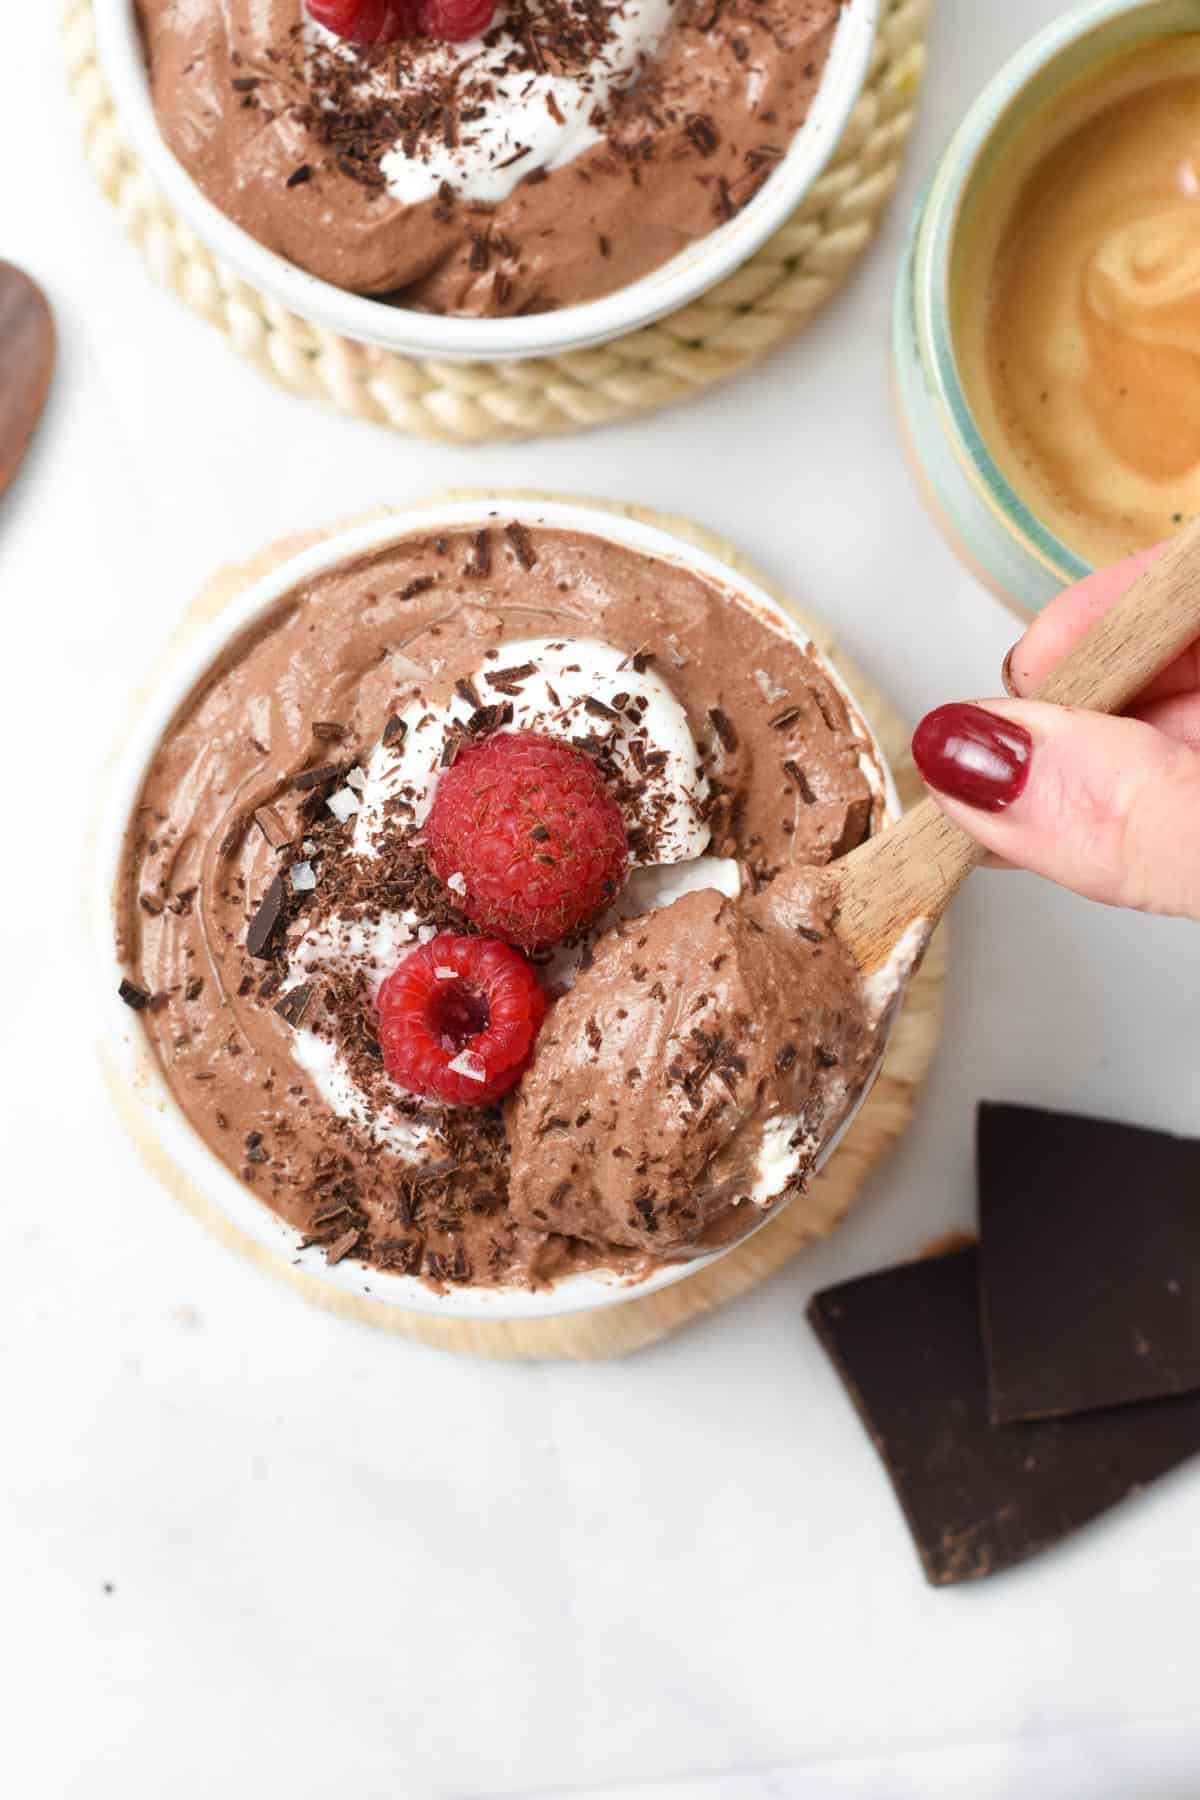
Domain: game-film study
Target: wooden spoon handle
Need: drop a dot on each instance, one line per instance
(905, 875)
(1137, 638)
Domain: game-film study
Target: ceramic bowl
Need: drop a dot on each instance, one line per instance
(158, 1120)
(988, 523)
(676, 284)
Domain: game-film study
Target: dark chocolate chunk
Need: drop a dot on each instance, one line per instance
(1089, 1264)
(294, 1004)
(267, 919)
(133, 995)
(979, 1497)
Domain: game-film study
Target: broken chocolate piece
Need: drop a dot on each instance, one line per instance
(266, 920)
(134, 996)
(273, 828)
(294, 1004)
(979, 1497)
(1090, 1262)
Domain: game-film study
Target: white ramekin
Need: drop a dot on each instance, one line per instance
(990, 526)
(413, 333)
(159, 1119)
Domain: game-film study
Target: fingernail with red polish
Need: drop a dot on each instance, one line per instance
(973, 756)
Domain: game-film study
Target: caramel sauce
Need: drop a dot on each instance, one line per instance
(1078, 319)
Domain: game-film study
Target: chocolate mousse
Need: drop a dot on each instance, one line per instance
(575, 147)
(278, 872)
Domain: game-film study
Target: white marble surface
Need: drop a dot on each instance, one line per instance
(340, 1564)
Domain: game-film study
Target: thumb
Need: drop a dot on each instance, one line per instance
(1107, 807)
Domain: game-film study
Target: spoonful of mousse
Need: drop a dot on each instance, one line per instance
(702, 1066)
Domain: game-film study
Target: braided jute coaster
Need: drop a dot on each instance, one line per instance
(766, 301)
(635, 1323)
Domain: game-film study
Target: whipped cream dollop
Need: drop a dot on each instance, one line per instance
(565, 688)
(574, 688)
(535, 110)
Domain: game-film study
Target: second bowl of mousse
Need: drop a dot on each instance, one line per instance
(450, 178)
(396, 881)
(1048, 319)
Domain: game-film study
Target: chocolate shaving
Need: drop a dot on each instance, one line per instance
(133, 995)
(480, 565)
(723, 725)
(703, 134)
(800, 782)
(342, 1246)
(267, 920)
(522, 544)
(396, 727)
(420, 584)
(309, 779)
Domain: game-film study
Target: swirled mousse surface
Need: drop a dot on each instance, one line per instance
(575, 148)
(273, 877)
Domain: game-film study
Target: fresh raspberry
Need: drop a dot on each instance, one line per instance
(367, 21)
(454, 21)
(458, 1019)
(382, 21)
(524, 830)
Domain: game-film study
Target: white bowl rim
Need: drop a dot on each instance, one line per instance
(584, 326)
(158, 1111)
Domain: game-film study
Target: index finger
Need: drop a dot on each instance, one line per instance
(1069, 617)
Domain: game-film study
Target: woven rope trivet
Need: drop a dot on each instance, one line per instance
(767, 300)
(642, 1320)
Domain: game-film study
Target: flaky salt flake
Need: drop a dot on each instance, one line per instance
(302, 877)
(468, 1064)
(679, 657)
(457, 882)
(444, 974)
(344, 804)
(356, 779)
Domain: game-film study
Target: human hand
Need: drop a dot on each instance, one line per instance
(1109, 807)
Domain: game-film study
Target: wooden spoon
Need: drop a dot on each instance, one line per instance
(894, 888)
(27, 353)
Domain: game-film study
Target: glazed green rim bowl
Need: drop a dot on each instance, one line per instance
(995, 531)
